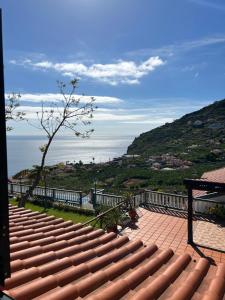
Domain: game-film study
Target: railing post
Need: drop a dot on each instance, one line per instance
(21, 192)
(53, 194)
(145, 198)
(190, 216)
(93, 197)
(11, 188)
(80, 194)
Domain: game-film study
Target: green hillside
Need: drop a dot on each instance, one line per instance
(198, 136)
(185, 148)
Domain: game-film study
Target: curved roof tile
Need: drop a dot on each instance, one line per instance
(56, 260)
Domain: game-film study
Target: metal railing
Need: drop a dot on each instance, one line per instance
(147, 198)
(167, 200)
(69, 197)
(177, 202)
(108, 199)
(203, 205)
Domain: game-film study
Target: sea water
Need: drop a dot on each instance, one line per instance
(23, 151)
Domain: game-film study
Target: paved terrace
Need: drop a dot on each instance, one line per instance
(169, 230)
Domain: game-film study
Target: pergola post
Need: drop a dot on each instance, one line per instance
(4, 217)
(202, 185)
(190, 216)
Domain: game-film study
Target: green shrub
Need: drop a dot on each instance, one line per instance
(217, 211)
(62, 206)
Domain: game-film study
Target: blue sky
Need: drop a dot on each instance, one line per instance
(147, 62)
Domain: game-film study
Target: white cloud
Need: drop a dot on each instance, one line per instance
(43, 64)
(153, 116)
(121, 72)
(51, 97)
(188, 68)
(126, 119)
(171, 49)
(113, 116)
(211, 4)
(101, 114)
(13, 62)
(158, 121)
(196, 74)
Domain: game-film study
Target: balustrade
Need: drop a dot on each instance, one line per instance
(68, 196)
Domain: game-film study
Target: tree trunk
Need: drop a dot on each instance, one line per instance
(29, 192)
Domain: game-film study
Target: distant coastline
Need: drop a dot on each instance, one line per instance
(23, 151)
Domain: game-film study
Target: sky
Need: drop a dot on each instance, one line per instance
(146, 62)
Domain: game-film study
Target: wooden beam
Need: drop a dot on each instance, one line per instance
(204, 185)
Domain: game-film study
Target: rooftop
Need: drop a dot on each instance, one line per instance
(217, 175)
(54, 259)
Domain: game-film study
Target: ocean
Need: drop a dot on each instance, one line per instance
(23, 151)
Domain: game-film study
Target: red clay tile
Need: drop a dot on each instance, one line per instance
(70, 261)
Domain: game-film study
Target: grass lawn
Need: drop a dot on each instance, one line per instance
(65, 215)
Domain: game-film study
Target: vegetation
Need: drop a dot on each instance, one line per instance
(76, 217)
(112, 219)
(192, 137)
(198, 137)
(217, 211)
(11, 111)
(69, 114)
(112, 178)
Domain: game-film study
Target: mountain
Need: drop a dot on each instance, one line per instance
(198, 136)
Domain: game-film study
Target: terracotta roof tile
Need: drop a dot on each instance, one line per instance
(198, 194)
(217, 175)
(56, 260)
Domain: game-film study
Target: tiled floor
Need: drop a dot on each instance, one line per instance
(170, 231)
(210, 234)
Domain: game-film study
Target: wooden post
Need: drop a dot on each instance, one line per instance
(4, 210)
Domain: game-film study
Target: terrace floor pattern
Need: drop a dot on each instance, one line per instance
(211, 234)
(170, 231)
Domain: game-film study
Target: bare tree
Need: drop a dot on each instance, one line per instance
(71, 114)
(11, 112)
